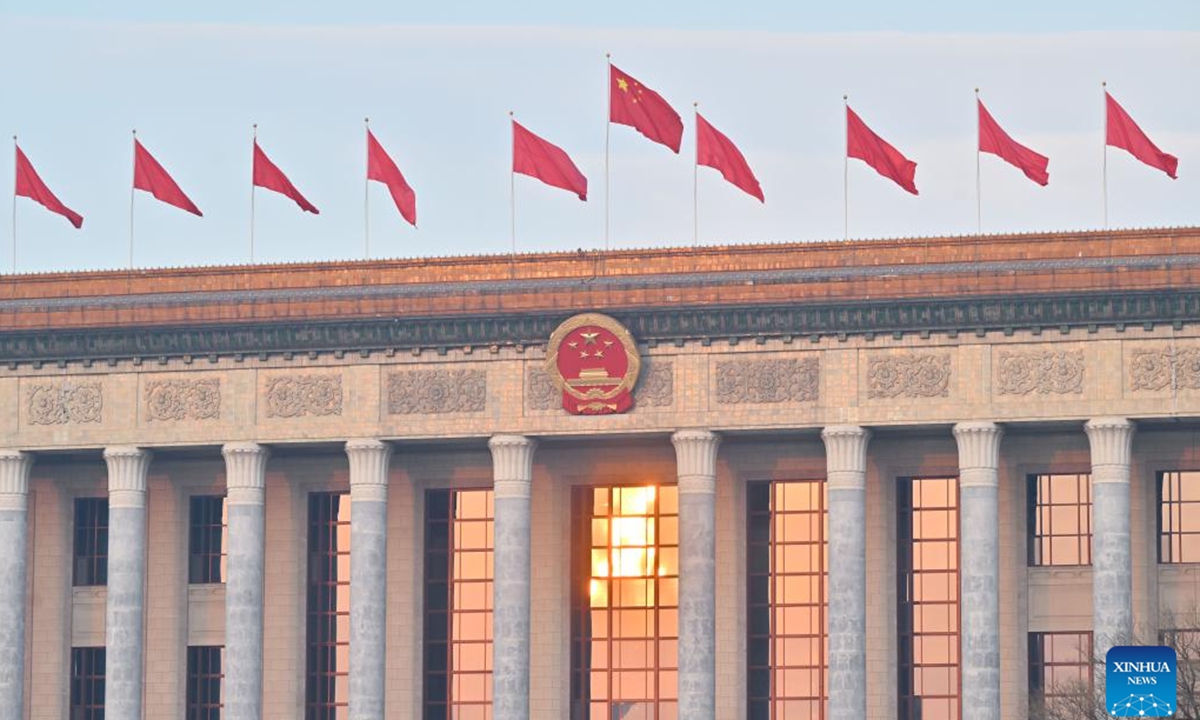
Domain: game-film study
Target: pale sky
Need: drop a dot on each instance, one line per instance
(438, 81)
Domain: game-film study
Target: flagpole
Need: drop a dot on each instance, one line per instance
(255, 131)
(14, 209)
(696, 178)
(846, 169)
(132, 194)
(512, 195)
(367, 192)
(978, 181)
(1104, 87)
(607, 132)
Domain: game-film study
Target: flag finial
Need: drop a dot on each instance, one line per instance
(366, 119)
(1103, 83)
(976, 91)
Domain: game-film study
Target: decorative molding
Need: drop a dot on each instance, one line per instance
(540, 393)
(911, 375)
(656, 387)
(1045, 372)
(1159, 369)
(291, 396)
(768, 381)
(65, 403)
(429, 392)
(169, 400)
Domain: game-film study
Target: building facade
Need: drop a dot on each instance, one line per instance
(883, 479)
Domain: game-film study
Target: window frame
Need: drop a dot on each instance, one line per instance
(326, 684)
(1040, 543)
(86, 682)
(199, 702)
(204, 566)
(89, 544)
(1167, 533)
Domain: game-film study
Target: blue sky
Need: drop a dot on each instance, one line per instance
(438, 79)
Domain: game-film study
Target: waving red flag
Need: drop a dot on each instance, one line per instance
(148, 175)
(862, 143)
(1124, 133)
(545, 161)
(381, 168)
(267, 175)
(30, 185)
(993, 139)
(716, 151)
(632, 103)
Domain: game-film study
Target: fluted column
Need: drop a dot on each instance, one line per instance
(696, 466)
(245, 482)
(368, 575)
(846, 473)
(1111, 440)
(124, 614)
(979, 569)
(14, 501)
(512, 472)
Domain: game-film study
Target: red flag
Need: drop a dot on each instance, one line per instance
(539, 159)
(381, 168)
(267, 175)
(715, 150)
(1124, 133)
(993, 139)
(632, 103)
(865, 145)
(148, 175)
(30, 185)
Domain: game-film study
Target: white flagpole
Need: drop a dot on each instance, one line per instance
(846, 169)
(696, 177)
(607, 131)
(367, 192)
(252, 196)
(132, 194)
(14, 209)
(978, 181)
(1104, 87)
(512, 193)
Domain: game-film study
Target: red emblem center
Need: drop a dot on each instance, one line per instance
(594, 362)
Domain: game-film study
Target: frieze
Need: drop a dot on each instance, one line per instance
(430, 392)
(1162, 368)
(292, 396)
(768, 381)
(656, 388)
(540, 392)
(173, 400)
(1044, 372)
(65, 403)
(912, 375)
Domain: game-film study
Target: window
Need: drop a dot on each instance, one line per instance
(207, 540)
(1179, 517)
(204, 682)
(328, 654)
(786, 576)
(927, 594)
(624, 603)
(1060, 520)
(1060, 667)
(91, 542)
(458, 604)
(1186, 643)
(87, 683)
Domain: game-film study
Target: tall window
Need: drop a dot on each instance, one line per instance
(91, 542)
(458, 604)
(786, 597)
(328, 657)
(1060, 520)
(624, 603)
(204, 677)
(1179, 517)
(927, 594)
(87, 683)
(1060, 667)
(207, 540)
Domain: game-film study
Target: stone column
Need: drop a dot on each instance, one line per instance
(846, 473)
(124, 614)
(979, 567)
(1111, 440)
(512, 472)
(368, 575)
(696, 467)
(14, 498)
(245, 482)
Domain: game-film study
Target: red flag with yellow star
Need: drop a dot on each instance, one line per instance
(632, 103)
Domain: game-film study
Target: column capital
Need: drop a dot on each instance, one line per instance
(1111, 440)
(369, 459)
(846, 455)
(127, 468)
(978, 452)
(696, 460)
(14, 479)
(245, 472)
(512, 464)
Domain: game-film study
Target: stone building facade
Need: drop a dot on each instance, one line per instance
(937, 391)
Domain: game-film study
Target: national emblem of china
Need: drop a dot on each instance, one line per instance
(593, 360)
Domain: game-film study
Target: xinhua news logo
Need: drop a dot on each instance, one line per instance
(1140, 681)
